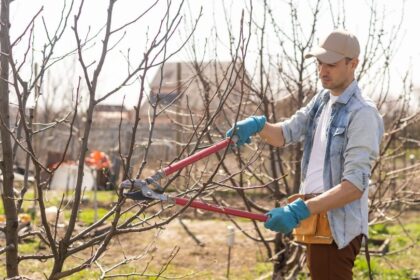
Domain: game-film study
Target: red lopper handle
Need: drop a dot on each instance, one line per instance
(221, 209)
(195, 157)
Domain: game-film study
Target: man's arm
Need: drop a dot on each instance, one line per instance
(285, 219)
(336, 197)
(273, 134)
(291, 130)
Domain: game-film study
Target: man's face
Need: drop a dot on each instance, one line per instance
(337, 76)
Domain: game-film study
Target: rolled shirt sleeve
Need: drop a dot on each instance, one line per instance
(294, 128)
(364, 135)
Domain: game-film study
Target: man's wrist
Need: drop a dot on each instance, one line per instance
(300, 209)
(311, 205)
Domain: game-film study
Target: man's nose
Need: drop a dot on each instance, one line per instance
(322, 69)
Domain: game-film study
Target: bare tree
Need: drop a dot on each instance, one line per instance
(283, 81)
(11, 248)
(63, 244)
(184, 113)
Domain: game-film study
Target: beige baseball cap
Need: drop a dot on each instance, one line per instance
(338, 45)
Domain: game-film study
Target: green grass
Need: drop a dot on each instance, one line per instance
(53, 198)
(380, 271)
(261, 268)
(378, 230)
(87, 216)
(398, 266)
(86, 274)
(102, 196)
(29, 247)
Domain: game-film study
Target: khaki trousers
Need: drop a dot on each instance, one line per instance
(326, 262)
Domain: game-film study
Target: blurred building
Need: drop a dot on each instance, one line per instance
(190, 96)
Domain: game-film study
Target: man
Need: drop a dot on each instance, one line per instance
(341, 131)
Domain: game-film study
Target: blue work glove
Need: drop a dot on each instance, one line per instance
(285, 219)
(246, 128)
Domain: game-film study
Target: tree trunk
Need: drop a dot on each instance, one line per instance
(281, 259)
(7, 160)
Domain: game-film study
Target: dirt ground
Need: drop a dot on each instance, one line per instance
(149, 252)
(194, 261)
(205, 257)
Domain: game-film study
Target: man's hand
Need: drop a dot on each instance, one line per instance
(285, 219)
(246, 128)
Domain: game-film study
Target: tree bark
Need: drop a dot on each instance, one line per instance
(6, 143)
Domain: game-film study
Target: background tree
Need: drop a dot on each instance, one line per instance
(6, 144)
(63, 244)
(281, 81)
(190, 105)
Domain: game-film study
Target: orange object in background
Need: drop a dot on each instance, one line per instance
(24, 218)
(98, 160)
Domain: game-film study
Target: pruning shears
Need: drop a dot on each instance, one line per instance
(139, 189)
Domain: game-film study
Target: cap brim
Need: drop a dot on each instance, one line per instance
(325, 56)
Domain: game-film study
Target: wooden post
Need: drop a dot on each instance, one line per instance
(178, 108)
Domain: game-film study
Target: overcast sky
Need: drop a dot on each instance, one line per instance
(94, 15)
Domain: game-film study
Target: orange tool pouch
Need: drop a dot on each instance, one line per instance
(313, 230)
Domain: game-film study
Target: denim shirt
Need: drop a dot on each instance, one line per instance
(354, 134)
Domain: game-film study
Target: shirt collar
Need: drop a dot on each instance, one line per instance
(348, 93)
(345, 95)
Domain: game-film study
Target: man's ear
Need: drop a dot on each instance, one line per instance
(354, 62)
